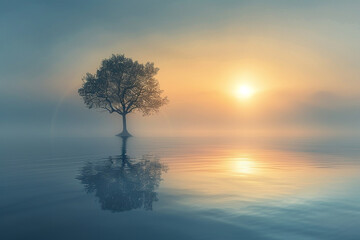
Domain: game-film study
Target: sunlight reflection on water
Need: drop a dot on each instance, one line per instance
(244, 165)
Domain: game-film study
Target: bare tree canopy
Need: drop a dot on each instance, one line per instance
(122, 85)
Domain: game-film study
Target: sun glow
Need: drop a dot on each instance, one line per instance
(244, 91)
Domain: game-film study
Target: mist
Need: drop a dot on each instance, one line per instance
(304, 71)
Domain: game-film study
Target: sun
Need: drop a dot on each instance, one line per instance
(244, 91)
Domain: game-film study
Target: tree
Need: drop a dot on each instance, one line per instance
(123, 86)
(122, 183)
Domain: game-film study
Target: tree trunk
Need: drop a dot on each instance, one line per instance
(124, 132)
(123, 147)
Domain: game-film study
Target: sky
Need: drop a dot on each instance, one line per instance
(301, 58)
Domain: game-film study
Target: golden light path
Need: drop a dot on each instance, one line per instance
(231, 176)
(244, 166)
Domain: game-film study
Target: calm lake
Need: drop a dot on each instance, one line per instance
(179, 188)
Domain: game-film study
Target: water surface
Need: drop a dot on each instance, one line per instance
(179, 188)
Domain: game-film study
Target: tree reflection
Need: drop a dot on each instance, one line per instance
(122, 183)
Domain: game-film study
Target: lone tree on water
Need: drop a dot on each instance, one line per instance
(123, 86)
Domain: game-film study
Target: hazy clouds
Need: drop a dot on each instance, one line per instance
(304, 54)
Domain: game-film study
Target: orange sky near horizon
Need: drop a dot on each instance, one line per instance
(297, 69)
